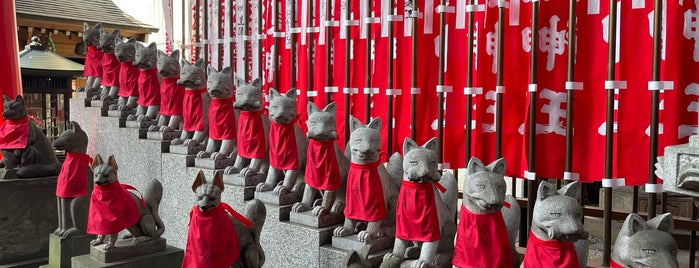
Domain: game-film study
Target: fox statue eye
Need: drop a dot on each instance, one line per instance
(648, 251)
(555, 214)
(413, 163)
(480, 186)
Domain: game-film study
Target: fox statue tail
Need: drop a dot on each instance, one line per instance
(253, 255)
(152, 196)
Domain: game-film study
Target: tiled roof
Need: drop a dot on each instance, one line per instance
(91, 11)
(36, 58)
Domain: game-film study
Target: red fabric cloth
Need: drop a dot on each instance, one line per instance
(193, 110)
(171, 96)
(14, 134)
(364, 197)
(148, 87)
(251, 141)
(212, 240)
(416, 213)
(112, 209)
(222, 119)
(128, 80)
(283, 153)
(481, 241)
(110, 70)
(613, 264)
(322, 171)
(93, 62)
(72, 181)
(549, 254)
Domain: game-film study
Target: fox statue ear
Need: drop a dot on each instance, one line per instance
(153, 45)
(498, 166)
(432, 144)
(6, 98)
(161, 54)
(571, 189)
(475, 165)
(75, 126)
(546, 190)
(198, 180)
(257, 82)
(184, 62)
(116, 33)
(375, 124)
(409, 145)
(210, 70)
(663, 223)
(218, 180)
(330, 108)
(175, 54)
(273, 93)
(312, 108)
(98, 161)
(355, 124)
(291, 93)
(632, 225)
(19, 98)
(112, 162)
(226, 70)
(85, 26)
(199, 63)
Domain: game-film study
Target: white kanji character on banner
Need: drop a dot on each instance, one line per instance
(491, 41)
(490, 127)
(689, 130)
(691, 29)
(552, 41)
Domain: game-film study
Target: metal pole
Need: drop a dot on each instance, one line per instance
(413, 72)
(389, 146)
(609, 138)
(246, 39)
(348, 50)
(277, 43)
(219, 35)
(197, 32)
(469, 83)
(309, 50)
(184, 35)
(232, 32)
(367, 65)
(206, 34)
(531, 153)
(440, 96)
(260, 51)
(654, 105)
(292, 39)
(693, 236)
(498, 98)
(328, 50)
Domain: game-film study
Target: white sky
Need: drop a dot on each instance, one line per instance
(151, 12)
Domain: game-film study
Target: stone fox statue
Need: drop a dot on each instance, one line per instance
(195, 105)
(218, 235)
(222, 127)
(24, 145)
(485, 237)
(253, 130)
(74, 185)
(93, 58)
(110, 66)
(369, 187)
(556, 225)
(643, 243)
(146, 60)
(125, 53)
(113, 208)
(425, 210)
(171, 94)
(287, 144)
(326, 165)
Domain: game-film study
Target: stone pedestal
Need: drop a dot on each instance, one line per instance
(96, 103)
(145, 124)
(307, 218)
(242, 188)
(119, 113)
(126, 249)
(331, 257)
(163, 136)
(26, 264)
(213, 164)
(27, 213)
(351, 243)
(270, 197)
(61, 250)
(171, 257)
(190, 151)
(245, 181)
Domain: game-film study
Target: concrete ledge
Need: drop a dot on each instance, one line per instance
(169, 258)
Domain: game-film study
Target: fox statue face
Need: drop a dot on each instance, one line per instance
(146, 57)
(208, 193)
(192, 76)
(248, 97)
(642, 244)
(321, 123)
(125, 51)
(365, 141)
(91, 35)
(558, 214)
(168, 66)
(484, 186)
(282, 108)
(107, 40)
(420, 163)
(14, 109)
(219, 84)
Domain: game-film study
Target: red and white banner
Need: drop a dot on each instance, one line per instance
(167, 15)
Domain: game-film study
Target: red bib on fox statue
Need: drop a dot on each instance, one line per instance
(93, 62)
(212, 240)
(192, 110)
(613, 264)
(283, 154)
(322, 172)
(549, 254)
(148, 87)
(416, 213)
(110, 70)
(112, 209)
(72, 181)
(171, 97)
(222, 119)
(251, 141)
(14, 134)
(481, 241)
(364, 197)
(128, 80)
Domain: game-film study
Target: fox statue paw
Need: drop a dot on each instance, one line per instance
(263, 187)
(341, 232)
(230, 170)
(365, 236)
(319, 211)
(300, 207)
(281, 190)
(203, 154)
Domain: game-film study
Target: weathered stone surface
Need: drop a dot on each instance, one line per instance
(140, 124)
(125, 249)
(163, 136)
(307, 218)
(213, 164)
(61, 250)
(351, 243)
(240, 180)
(119, 113)
(679, 168)
(331, 257)
(169, 258)
(27, 215)
(26, 264)
(270, 197)
(187, 150)
(96, 103)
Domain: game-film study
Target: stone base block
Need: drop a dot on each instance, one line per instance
(27, 214)
(61, 250)
(96, 103)
(26, 264)
(145, 124)
(270, 197)
(237, 196)
(187, 150)
(307, 218)
(213, 164)
(88, 102)
(125, 249)
(351, 243)
(168, 258)
(119, 113)
(240, 180)
(331, 257)
(163, 136)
